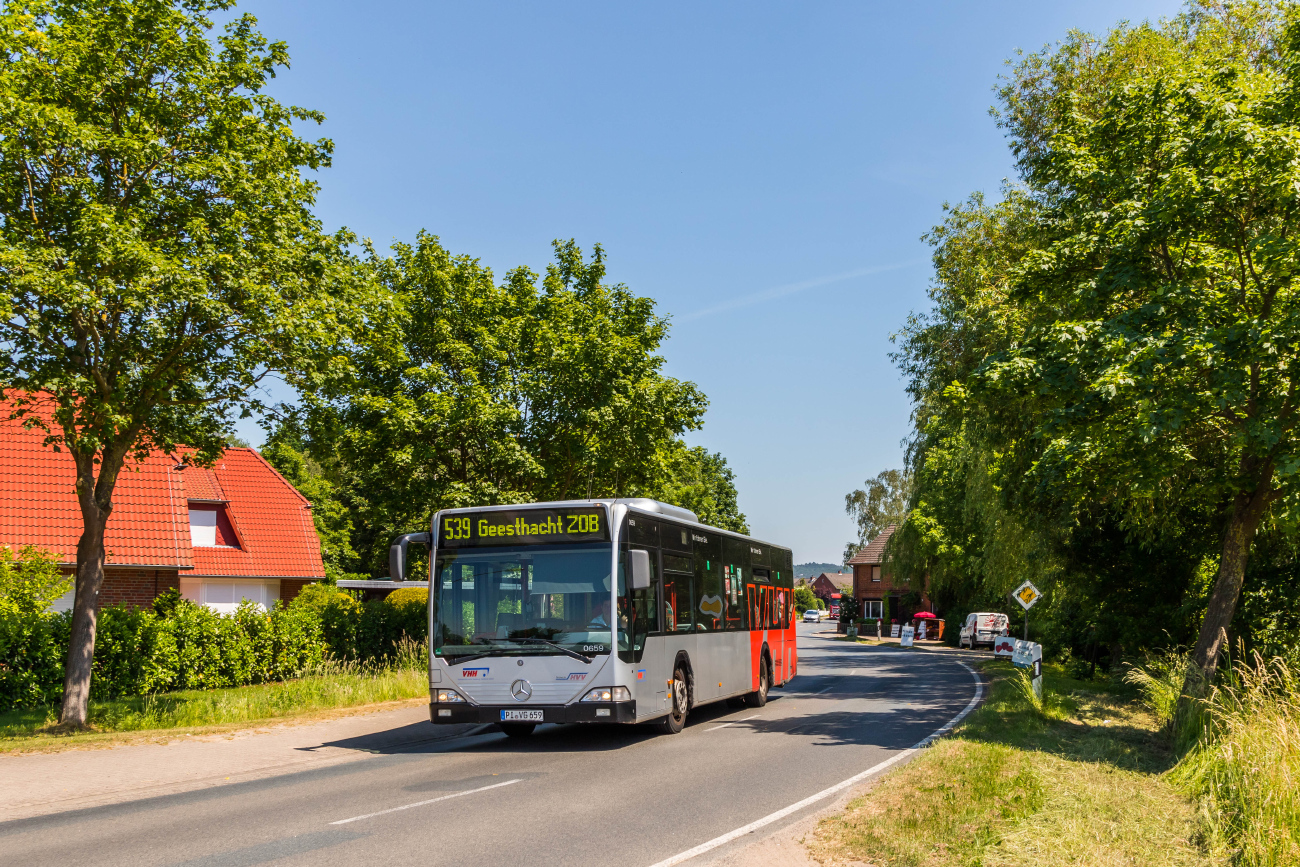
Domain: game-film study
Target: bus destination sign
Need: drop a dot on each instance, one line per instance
(523, 527)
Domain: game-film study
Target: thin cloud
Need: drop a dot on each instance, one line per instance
(794, 288)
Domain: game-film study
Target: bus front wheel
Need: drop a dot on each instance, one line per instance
(758, 697)
(676, 719)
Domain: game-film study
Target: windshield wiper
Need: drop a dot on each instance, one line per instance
(560, 647)
(499, 651)
(469, 657)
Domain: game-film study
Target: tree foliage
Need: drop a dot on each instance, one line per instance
(475, 391)
(1105, 390)
(881, 502)
(158, 253)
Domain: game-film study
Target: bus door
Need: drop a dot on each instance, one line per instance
(776, 641)
(759, 598)
(645, 614)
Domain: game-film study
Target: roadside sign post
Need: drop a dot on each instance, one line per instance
(1027, 595)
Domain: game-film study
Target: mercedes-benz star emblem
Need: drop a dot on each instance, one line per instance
(522, 690)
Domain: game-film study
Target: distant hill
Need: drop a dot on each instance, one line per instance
(812, 570)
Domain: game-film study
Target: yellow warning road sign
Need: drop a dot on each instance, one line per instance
(1027, 595)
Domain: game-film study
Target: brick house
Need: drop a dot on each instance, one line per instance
(872, 583)
(236, 531)
(829, 584)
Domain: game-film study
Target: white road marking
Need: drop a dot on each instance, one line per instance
(838, 787)
(422, 803)
(732, 723)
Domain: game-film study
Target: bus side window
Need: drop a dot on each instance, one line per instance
(713, 601)
(677, 602)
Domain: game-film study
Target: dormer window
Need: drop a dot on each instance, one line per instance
(203, 528)
(210, 527)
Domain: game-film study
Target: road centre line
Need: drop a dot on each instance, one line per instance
(422, 803)
(838, 787)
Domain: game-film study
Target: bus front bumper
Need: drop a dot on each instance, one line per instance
(581, 712)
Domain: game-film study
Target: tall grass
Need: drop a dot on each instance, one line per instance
(1243, 753)
(329, 685)
(1160, 680)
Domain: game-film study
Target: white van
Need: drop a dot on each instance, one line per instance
(982, 628)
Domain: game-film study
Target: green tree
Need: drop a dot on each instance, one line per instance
(474, 391)
(1163, 329)
(882, 501)
(700, 480)
(158, 254)
(30, 581)
(804, 599)
(286, 451)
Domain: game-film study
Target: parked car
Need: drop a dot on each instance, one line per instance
(982, 628)
(813, 615)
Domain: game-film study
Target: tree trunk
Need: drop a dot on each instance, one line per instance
(95, 497)
(85, 618)
(1247, 512)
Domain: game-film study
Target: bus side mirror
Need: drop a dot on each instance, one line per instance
(640, 561)
(397, 553)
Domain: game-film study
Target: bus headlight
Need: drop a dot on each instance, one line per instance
(449, 696)
(608, 693)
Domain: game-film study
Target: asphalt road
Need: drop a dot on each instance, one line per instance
(569, 795)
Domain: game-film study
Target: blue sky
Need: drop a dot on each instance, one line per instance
(764, 171)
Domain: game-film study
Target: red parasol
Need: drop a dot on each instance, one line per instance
(924, 615)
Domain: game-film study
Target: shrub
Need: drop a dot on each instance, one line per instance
(30, 581)
(32, 646)
(338, 613)
(179, 645)
(409, 596)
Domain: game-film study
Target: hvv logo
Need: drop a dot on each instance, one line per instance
(479, 673)
(578, 676)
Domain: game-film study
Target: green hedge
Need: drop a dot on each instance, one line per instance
(180, 645)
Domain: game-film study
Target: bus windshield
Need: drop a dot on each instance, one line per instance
(533, 599)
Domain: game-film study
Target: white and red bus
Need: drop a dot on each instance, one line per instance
(625, 610)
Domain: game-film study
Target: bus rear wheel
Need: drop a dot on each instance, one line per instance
(517, 730)
(758, 697)
(676, 719)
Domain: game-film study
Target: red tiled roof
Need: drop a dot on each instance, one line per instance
(841, 580)
(150, 521)
(38, 503)
(201, 484)
(273, 521)
(874, 552)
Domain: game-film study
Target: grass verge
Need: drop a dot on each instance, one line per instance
(1077, 780)
(333, 687)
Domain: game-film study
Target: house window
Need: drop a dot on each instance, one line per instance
(875, 574)
(210, 527)
(224, 596)
(872, 609)
(203, 528)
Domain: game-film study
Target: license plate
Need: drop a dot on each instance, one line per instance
(521, 716)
